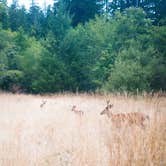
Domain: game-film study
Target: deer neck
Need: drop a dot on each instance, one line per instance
(110, 114)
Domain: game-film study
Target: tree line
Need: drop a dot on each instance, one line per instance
(89, 45)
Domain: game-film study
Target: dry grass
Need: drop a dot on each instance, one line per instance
(53, 135)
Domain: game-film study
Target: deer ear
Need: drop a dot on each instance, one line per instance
(111, 105)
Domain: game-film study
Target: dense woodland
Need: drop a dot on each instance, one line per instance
(83, 45)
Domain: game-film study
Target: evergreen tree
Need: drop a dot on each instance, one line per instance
(155, 9)
(3, 14)
(82, 11)
(13, 16)
(35, 19)
(59, 20)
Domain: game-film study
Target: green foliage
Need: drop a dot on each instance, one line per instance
(81, 49)
(42, 52)
(51, 76)
(155, 9)
(28, 62)
(132, 70)
(82, 11)
(3, 14)
(10, 78)
(140, 63)
(59, 21)
(159, 65)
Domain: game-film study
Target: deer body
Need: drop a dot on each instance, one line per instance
(133, 118)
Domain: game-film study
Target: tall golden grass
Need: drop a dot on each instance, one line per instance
(53, 135)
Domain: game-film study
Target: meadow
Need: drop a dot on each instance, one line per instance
(53, 135)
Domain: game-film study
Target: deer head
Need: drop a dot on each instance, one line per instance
(43, 103)
(107, 109)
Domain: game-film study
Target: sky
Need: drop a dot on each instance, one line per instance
(27, 3)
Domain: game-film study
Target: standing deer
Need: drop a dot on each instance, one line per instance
(133, 118)
(76, 111)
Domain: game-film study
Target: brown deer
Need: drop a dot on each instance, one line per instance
(76, 111)
(133, 118)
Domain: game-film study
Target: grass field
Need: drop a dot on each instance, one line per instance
(53, 135)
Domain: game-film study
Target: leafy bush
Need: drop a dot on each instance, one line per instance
(10, 78)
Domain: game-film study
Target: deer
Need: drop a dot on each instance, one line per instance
(133, 118)
(43, 103)
(76, 111)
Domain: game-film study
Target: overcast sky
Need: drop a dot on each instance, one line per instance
(26, 3)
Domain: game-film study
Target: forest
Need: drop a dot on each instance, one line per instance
(84, 46)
